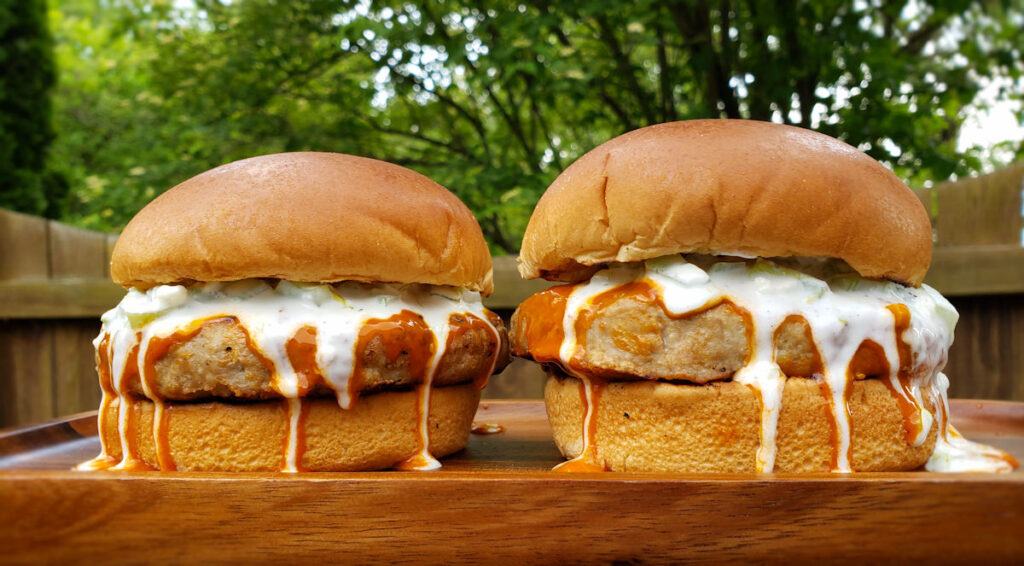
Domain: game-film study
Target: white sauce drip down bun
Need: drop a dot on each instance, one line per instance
(842, 313)
(627, 210)
(271, 315)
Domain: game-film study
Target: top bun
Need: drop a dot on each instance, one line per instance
(727, 187)
(315, 217)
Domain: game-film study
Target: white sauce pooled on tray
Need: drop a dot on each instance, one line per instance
(271, 316)
(953, 452)
(842, 314)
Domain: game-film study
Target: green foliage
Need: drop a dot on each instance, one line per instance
(493, 98)
(26, 77)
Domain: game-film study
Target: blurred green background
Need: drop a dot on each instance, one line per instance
(106, 103)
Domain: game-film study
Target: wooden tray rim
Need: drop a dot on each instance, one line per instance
(996, 410)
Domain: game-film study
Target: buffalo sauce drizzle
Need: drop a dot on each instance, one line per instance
(105, 460)
(128, 412)
(491, 326)
(405, 338)
(301, 351)
(842, 452)
(899, 381)
(486, 428)
(587, 461)
(542, 320)
(549, 339)
(156, 349)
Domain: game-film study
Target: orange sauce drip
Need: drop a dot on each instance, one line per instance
(644, 292)
(404, 334)
(544, 336)
(301, 350)
(413, 463)
(106, 384)
(487, 428)
(833, 433)
(909, 408)
(541, 315)
(1009, 459)
(582, 463)
(249, 343)
(104, 460)
(300, 435)
(164, 459)
(130, 459)
(156, 350)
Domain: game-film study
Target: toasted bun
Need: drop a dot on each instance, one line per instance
(379, 431)
(314, 217)
(657, 426)
(727, 187)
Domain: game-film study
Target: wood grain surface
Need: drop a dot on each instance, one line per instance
(497, 502)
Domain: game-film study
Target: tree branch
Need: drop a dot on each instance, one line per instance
(668, 103)
(759, 104)
(807, 79)
(917, 40)
(492, 228)
(450, 147)
(704, 59)
(450, 102)
(626, 68)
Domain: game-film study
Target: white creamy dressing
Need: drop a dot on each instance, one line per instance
(842, 314)
(581, 296)
(953, 452)
(272, 315)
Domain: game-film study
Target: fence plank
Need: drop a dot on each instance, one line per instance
(27, 354)
(75, 252)
(68, 298)
(977, 270)
(77, 388)
(987, 357)
(981, 210)
(23, 246)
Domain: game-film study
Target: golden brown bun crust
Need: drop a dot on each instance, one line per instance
(727, 187)
(376, 433)
(716, 428)
(305, 217)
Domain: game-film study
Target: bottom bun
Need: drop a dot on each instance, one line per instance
(667, 427)
(378, 432)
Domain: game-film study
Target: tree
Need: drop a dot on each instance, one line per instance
(26, 77)
(494, 98)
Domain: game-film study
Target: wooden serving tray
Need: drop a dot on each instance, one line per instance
(498, 502)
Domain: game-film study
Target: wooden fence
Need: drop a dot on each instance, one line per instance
(54, 285)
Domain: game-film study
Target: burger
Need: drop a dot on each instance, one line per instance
(296, 312)
(739, 296)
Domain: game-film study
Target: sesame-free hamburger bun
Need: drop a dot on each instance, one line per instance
(316, 217)
(727, 187)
